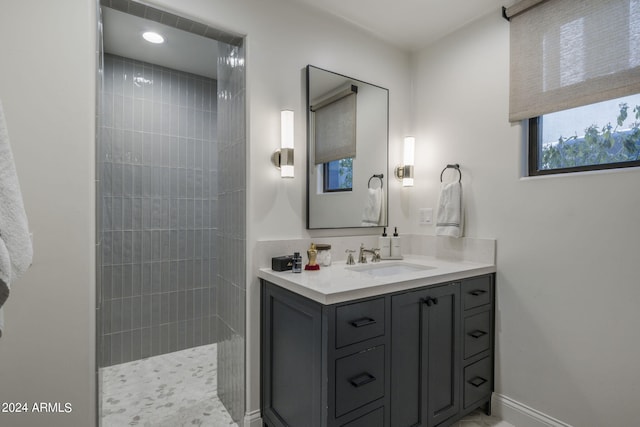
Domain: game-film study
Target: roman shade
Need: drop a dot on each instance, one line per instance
(334, 121)
(570, 53)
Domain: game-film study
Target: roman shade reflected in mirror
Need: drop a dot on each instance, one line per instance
(335, 124)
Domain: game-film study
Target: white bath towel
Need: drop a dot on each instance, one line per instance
(372, 208)
(5, 265)
(16, 251)
(450, 216)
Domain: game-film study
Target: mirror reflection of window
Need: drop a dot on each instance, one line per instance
(338, 175)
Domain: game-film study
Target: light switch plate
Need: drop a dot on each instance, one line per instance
(425, 216)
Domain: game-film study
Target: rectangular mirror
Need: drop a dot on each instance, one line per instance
(347, 151)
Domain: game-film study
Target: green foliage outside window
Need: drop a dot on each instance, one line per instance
(599, 145)
(346, 172)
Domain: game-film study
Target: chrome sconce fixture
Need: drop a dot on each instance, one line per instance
(405, 172)
(283, 157)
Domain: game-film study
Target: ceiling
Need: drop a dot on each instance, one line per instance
(182, 50)
(409, 24)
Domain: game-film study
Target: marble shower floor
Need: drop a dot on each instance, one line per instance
(170, 390)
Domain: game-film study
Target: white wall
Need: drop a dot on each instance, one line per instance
(568, 246)
(47, 87)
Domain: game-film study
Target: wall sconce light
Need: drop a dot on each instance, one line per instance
(283, 157)
(405, 172)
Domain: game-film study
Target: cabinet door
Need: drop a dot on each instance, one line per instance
(291, 360)
(425, 360)
(441, 321)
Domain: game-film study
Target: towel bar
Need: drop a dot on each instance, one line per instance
(453, 166)
(379, 176)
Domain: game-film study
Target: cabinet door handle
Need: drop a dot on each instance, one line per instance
(477, 381)
(477, 333)
(478, 292)
(362, 379)
(429, 301)
(365, 321)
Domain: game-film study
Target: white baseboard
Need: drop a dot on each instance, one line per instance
(253, 419)
(521, 415)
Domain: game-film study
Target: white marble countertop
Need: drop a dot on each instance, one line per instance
(339, 283)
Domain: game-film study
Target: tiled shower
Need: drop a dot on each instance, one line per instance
(231, 243)
(159, 210)
(171, 200)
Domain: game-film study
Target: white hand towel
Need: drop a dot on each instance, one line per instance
(372, 208)
(17, 252)
(383, 210)
(450, 217)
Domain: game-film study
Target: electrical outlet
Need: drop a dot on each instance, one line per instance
(425, 216)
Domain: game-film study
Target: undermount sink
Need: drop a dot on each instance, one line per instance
(389, 269)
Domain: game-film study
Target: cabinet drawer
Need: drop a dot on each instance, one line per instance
(359, 379)
(477, 382)
(359, 321)
(372, 419)
(477, 333)
(476, 292)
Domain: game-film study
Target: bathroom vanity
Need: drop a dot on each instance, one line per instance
(386, 344)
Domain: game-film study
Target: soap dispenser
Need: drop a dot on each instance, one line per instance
(384, 244)
(297, 263)
(396, 247)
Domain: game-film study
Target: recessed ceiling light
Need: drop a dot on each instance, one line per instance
(152, 37)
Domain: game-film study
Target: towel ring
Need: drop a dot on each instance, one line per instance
(453, 166)
(379, 176)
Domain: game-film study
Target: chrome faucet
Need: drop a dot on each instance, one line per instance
(362, 258)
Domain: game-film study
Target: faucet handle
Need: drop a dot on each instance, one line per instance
(350, 253)
(376, 255)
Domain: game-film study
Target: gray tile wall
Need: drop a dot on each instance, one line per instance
(158, 161)
(231, 278)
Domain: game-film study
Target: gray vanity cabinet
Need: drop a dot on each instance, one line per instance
(421, 357)
(292, 357)
(324, 365)
(425, 356)
(478, 313)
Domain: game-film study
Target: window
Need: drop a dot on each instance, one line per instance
(575, 77)
(338, 175)
(598, 136)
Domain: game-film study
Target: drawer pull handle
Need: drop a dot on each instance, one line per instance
(477, 381)
(365, 321)
(430, 301)
(478, 292)
(477, 333)
(362, 379)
